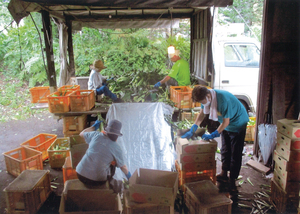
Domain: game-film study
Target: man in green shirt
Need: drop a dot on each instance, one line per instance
(179, 74)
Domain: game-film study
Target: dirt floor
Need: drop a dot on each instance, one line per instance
(14, 133)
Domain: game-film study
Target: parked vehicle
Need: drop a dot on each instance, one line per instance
(236, 65)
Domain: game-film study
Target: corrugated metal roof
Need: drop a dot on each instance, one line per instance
(114, 11)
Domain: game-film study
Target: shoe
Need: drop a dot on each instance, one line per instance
(222, 178)
(233, 189)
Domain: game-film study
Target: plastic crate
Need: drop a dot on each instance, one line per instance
(39, 94)
(27, 193)
(281, 200)
(57, 158)
(82, 100)
(59, 103)
(73, 125)
(22, 158)
(68, 172)
(187, 177)
(203, 197)
(41, 143)
(189, 116)
(181, 96)
(68, 88)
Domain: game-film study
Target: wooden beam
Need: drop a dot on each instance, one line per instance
(70, 48)
(49, 49)
(258, 166)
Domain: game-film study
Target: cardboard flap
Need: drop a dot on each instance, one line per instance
(154, 177)
(134, 177)
(91, 200)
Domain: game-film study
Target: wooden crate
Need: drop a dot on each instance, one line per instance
(22, 158)
(282, 201)
(189, 116)
(39, 94)
(203, 197)
(187, 177)
(250, 133)
(181, 96)
(68, 172)
(41, 143)
(27, 193)
(57, 158)
(59, 103)
(82, 100)
(73, 125)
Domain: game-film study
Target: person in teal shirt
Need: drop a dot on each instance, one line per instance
(179, 74)
(224, 107)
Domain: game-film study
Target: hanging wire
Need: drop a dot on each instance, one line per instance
(40, 42)
(7, 26)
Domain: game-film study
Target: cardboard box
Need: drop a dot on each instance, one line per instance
(153, 186)
(284, 164)
(78, 147)
(291, 187)
(27, 193)
(289, 176)
(197, 166)
(290, 128)
(201, 157)
(90, 202)
(291, 144)
(203, 197)
(131, 207)
(286, 153)
(195, 146)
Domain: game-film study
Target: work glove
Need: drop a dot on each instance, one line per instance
(128, 175)
(110, 79)
(190, 133)
(211, 136)
(104, 84)
(97, 124)
(157, 85)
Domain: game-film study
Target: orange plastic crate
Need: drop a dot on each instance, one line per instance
(181, 96)
(22, 158)
(58, 103)
(187, 177)
(82, 100)
(68, 172)
(58, 152)
(73, 125)
(39, 94)
(68, 88)
(41, 143)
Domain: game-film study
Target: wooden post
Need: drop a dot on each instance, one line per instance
(70, 47)
(49, 49)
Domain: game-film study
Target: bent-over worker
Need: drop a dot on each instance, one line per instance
(96, 167)
(232, 115)
(179, 74)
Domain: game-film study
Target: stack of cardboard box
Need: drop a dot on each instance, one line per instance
(286, 181)
(151, 191)
(196, 160)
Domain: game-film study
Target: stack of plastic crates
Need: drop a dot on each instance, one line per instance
(195, 160)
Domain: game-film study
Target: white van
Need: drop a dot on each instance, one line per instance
(236, 63)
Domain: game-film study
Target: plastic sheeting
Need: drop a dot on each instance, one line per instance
(267, 135)
(146, 140)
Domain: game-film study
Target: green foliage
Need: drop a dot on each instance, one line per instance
(249, 10)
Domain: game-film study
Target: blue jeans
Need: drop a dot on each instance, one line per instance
(104, 90)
